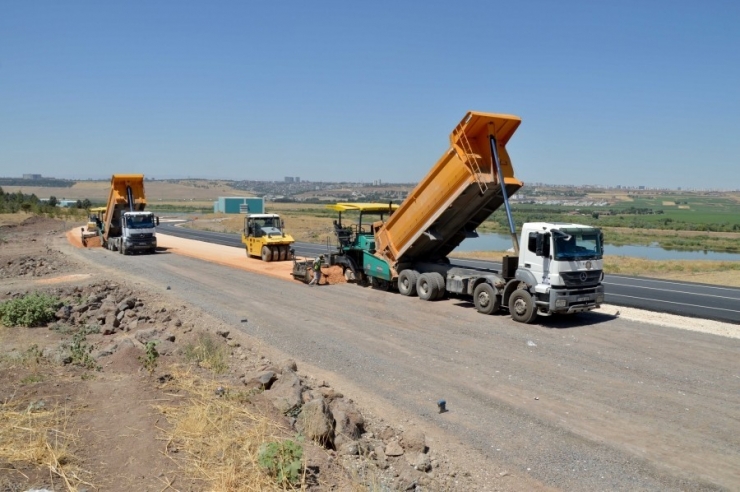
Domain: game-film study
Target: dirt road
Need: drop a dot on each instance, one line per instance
(589, 403)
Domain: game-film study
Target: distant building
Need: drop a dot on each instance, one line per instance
(239, 205)
(289, 179)
(31, 176)
(297, 179)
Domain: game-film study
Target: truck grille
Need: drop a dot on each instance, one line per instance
(581, 279)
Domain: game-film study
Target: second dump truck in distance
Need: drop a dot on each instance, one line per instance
(126, 226)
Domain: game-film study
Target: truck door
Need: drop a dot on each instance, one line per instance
(536, 257)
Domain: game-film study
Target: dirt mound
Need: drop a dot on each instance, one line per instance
(333, 275)
(27, 252)
(33, 220)
(30, 266)
(93, 242)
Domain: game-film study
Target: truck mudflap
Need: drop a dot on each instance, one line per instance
(567, 301)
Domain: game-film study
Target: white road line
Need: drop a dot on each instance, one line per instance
(677, 283)
(672, 302)
(675, 291)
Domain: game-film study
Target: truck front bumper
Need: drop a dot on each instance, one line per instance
(568, 301)
(141, 244)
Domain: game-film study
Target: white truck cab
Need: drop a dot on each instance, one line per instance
(563, 264)
(138, 232)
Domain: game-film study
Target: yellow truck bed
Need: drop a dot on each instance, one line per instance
(461, 191)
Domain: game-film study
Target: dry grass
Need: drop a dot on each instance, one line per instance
(34, 434)
(703, 271)
(13, 219)
(208, 354)
(220, 437)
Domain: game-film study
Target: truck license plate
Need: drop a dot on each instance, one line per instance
(582, 299)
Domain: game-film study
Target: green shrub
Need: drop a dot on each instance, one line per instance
(80, 351)
(282, 460)
(34, 309)
(149, 359)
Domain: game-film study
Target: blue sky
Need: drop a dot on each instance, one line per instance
(631, 93)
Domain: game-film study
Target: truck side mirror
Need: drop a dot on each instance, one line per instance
(540, 246)
(157, 220)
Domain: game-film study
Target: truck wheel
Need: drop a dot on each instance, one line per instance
(266, 253)
(441, 285)
(485, 299)
(522, 307)
(427, 287)
(407, 282)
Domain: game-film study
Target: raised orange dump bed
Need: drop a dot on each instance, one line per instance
(124, 188)
(461, 191)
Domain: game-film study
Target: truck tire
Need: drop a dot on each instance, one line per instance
(283, 251)
(485, 299)
(441, 285)
(426, 287)
(407, 282)
(522, 307)
(266, 253)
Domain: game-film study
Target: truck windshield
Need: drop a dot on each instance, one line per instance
(577, 244)
(140, 221)
(268, 226)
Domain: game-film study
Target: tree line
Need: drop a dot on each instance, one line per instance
(20, 202)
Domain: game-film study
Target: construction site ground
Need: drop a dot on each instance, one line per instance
(612, 400)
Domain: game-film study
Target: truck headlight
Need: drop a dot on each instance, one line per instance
(561, 302)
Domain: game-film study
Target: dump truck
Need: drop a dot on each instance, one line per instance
(126, 226)
(558, 269)
(264, 237)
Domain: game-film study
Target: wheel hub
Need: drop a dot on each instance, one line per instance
(520, 306)
(483, 299)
